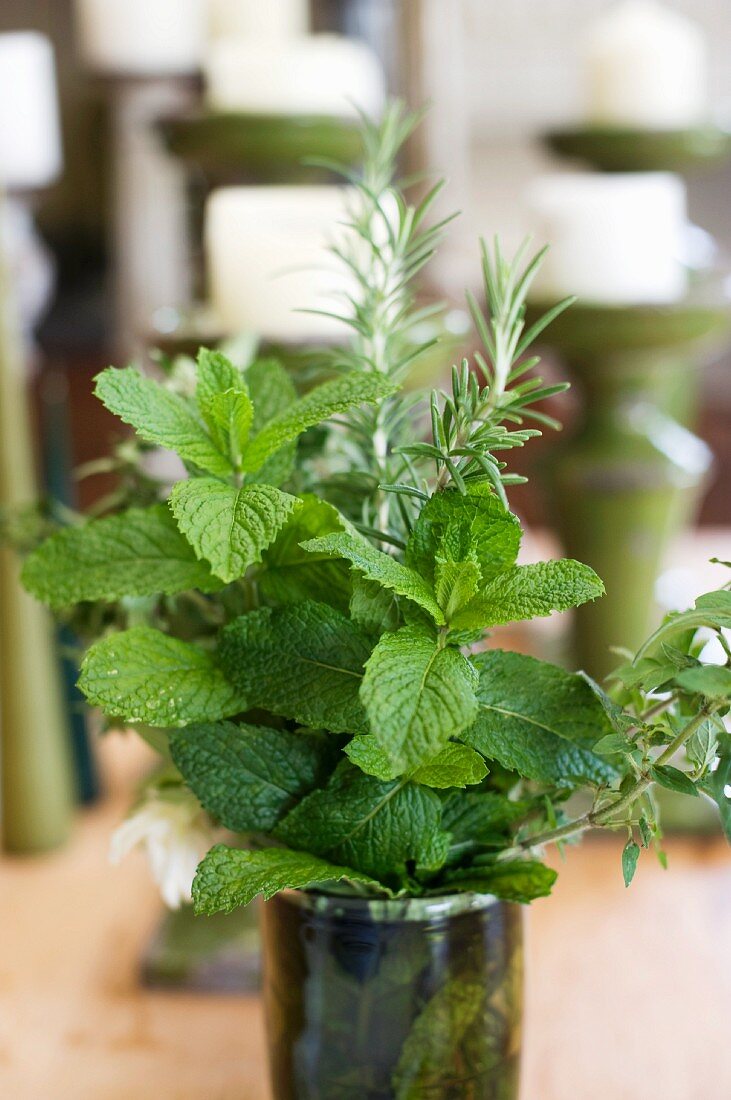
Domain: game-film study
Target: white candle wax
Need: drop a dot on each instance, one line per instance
(30, 135)
(614, 239)
(645, 67)
(266, 250)
(314, 74)
(258, 18)
(142, 37)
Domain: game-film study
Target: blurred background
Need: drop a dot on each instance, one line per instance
(157, 196)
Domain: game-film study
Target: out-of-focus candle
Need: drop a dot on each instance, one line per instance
(315, 74)
(614, 239)
(258, 18)
(142, 37)
(267, 258)
(30, 136)
(645, 66)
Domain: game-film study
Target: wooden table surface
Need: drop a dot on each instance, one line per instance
(628, 993)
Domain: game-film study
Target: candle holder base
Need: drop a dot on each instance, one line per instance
(623, 149)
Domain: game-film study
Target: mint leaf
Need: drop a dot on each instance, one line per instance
(481, 817)
(456, 582)
(228, 417)
(230, 527)
(712, 681)
(303, 662)
(372, 607)
(143, 675)
(378, 828)
(216, 374)
(426, 1064)
(160, 416)
(539, 720)
(139, 552)
(453, 766)
(322, 403)
(717, 784)
(453, 527)
(379, 567)
(366, 753)
(230, 877)
(630, 856)
(672, 778)
(519, 880)
(248, 776)
(529, 591)
(291, 574)
(272, 392)
(417, 695)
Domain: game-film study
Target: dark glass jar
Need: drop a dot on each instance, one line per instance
(414, 999)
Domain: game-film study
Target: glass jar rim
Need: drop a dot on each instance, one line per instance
(389, 909)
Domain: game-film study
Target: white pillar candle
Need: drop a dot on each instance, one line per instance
(142, 37)
(258, 18)
(266, 251)
(30, 135)
(645, 66)
(614, 239)
(311, 75)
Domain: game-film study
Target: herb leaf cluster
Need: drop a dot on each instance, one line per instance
(317, 665)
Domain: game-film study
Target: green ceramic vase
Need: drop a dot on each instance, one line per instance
(393, 1000)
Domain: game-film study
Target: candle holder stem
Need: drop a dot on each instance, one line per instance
(35, 770)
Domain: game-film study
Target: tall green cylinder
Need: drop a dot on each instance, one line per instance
(36, 786)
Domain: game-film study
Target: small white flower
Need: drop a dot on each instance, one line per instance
(175, 834)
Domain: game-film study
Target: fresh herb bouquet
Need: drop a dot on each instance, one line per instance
(299, 628)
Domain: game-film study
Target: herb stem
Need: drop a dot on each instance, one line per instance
(604, 817)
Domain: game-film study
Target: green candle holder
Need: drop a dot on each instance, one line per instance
(620, 149)
(629, 480)
(226, 148)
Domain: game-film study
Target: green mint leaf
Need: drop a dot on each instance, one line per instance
(702, 746)
(455, 582)
(672, 778)
(139, 552)
(230, 528)
(712, 681)
(379, 567)
(539, 720)
(366, 753)
(417, 695)
(426, 1064)
(519, 880)
(478, 817)
(216, 374)
(372, 607)
(143, 675)
(453, 766)
(530, 591)
(160, 416)
(272, 392)
(291, 574)
(453, 527)
(303, 662)
(717, 784)
(230, 877)
(378, 828)
(611, 744)
(228, 417)
(325, 401)
(247, 776)
(630, 856)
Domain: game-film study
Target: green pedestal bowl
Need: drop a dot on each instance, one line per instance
(618, 149)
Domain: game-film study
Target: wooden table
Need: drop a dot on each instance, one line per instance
(629, 992)
(628, 998)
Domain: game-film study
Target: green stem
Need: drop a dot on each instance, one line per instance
(605, 816)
